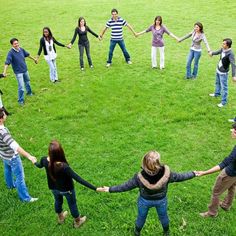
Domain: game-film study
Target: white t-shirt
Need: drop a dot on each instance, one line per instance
(50, 51)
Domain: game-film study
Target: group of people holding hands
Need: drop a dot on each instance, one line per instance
(154, 177)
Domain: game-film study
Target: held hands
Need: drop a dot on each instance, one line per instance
(69, 46)
(99, 37)
(103, 189)
(210, 53)
(234, 79)
(199, 173)
(33, 159)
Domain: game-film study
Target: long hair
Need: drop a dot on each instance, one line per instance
(200, 25)
(79, 20)
(49, 32)
(56, 156)
(158, 18)
(151, 162)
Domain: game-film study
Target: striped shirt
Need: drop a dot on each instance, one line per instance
(116, 28)
(8, 146)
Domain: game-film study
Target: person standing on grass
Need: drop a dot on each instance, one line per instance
(152, 182)
(47, 44)
(16, 58)
(83, 42)
(195, 50)
(1, 103)
(116, 24)
(221, 83)
(158, 30)
(13, 168)
(60, 181)
(226, 181)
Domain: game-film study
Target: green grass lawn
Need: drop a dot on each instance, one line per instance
(107, 119)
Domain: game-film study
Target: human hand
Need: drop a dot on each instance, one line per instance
(199, 173)
(99, 37)
(32, 159)
(234, 78)
(210, 53)
(102, 189)
(69, 46)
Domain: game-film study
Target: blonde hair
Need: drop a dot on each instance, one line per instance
(151, 162)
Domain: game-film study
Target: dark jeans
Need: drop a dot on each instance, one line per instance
(143, 207)
(71, 200)
(81, 53)
(121, 43)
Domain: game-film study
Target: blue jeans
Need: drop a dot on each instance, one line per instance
(143, 208)
(81, 54)
(23, 79)
(121, 43)
(53, 70)
(196, 56)
(222, 85)
(71, 200)
(14, 177)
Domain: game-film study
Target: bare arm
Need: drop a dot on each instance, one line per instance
(26, 154)
(103, 32)
(5, 70)
(34, 59)
(131, 29)
(210, 171)
(142, 32)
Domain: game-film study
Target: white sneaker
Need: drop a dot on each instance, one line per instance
(129, 62)
(33, 199)
(108, 64)
(231, 120)
(220, 105)
(82, 68)
(211, 94)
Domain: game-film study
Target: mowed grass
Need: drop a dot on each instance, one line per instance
(107, 119)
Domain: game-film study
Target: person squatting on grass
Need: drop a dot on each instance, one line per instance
(13, 168)
(158, 30)
(16, 58)
(221, 83)
(83, 42)
(152, 182)
(47, 43)
(195, 50)
(60, 181)
(226, 181)
(116, 24)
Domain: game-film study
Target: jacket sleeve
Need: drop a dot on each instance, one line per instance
(186, 37)
(74, 37)
(77, 178)
(57, 43)
(40, 46)
(40, 164)
(217, 52)
(232, 62)
(129, 185)
(206, 43)
(91, 32)
(229, 159)
(179, 177)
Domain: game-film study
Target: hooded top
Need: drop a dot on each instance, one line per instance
(152, 187)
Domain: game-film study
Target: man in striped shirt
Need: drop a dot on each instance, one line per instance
(13, 169)
(116, 24)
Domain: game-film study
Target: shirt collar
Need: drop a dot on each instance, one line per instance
(16, 49)
(2, 126)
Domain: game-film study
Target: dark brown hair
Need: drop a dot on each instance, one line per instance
(200, 25)
(158, 18)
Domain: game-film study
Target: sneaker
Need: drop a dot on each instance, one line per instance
(57, 81)
(224, 208)
(82, 68)
(91, 66)
(77, 224)
(33, 199)
(108, 64)
(212, 95)
(30, 94)
(154, 67)
(136, 232)
(207, 214)
(129, 62)
(232, 120)
(220, 105)
(61, 217)
(21, 103)
(162, 68)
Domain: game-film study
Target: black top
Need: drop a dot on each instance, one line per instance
(64, 177)
(42, 45)
(82, 35)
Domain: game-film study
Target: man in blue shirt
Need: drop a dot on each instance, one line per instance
(16, 58)
(226, 181)
(116, 23)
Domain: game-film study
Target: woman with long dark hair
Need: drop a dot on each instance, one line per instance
(60, 181)
(47, 44)
(83, 42)
(158, 30)
(195, 50)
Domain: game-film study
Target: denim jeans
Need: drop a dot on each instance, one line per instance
(71, 200)
(222, 85)
(121, 43)
(14, 177)
(143, 208)
(53, 70)
(81, 54)
(23, 79)
(196, 56)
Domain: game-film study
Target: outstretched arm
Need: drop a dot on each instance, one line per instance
(5, 70)
(131, 29)
(34, 59)
(26, 154)
(210, 171)
(103, 32)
